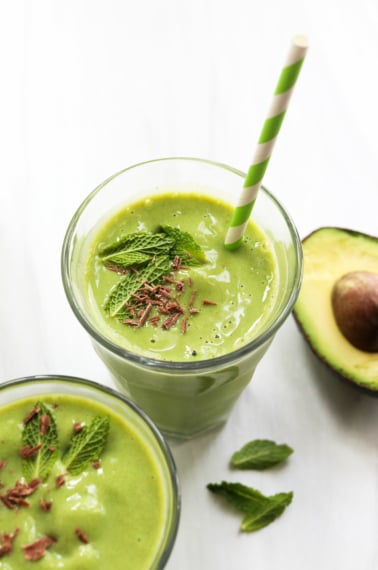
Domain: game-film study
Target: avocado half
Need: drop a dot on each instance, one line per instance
(329, 253)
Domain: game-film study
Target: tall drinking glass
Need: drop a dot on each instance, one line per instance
(184, 398)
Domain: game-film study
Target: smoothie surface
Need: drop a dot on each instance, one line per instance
(119, 504)
(234, 291)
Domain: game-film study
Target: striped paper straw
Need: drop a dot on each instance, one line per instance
(268, 136)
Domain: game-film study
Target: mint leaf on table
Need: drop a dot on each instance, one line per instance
(185, 246)
(121, 293)
(260, 454)
(139, 242)
(260, 510)
(86, 445)
(40, 434)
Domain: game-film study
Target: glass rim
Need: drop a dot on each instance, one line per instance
(182, 366)
(91, 385)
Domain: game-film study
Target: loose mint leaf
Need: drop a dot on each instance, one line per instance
(260, 454)
(245, 499)
(86, 445)
(185, 246)
(42, 434)
(121, 293)
(272, 510)
(260, 510)
(139, 242)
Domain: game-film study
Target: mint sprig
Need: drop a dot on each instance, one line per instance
(40, 444)
(86, 445)
(260, 454)
(260, 510)
(147, 258)
(44, 440)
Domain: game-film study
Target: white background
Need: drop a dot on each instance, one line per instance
(88, 88)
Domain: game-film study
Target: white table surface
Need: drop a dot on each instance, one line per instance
(89, 87)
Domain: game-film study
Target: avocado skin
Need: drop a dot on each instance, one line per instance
(330, 252)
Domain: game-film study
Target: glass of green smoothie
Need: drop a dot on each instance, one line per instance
(180, 322)
(86, 479)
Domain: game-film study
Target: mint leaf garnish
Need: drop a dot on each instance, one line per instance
(260, 454)
(86, 445)
(128, 285)
(260, 510)
(136, 249)
(185, 246)
(125, 259)
(139, 242)
(119, 295)
(40, 434)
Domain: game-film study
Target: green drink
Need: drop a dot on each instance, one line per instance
(117, 510)
(187, 377)
(225, 299)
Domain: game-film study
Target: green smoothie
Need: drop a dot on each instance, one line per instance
(225, 300)
(109, 514)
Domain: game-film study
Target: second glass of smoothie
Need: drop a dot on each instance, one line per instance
(185, 344)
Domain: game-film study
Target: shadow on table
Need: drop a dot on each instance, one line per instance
(345, 399)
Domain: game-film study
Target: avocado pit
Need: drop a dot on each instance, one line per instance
(354, 300)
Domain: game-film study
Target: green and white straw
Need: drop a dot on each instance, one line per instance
(268, 136)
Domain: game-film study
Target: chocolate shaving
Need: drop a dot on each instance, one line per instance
(78, 426)
(3, 463)
(16, 497)
(60, 480)
(180, 286)
(9, 504)
(45, 505)
(132, 322)
(174, 306)
(34, 483)
(31, 414)
(164, 292)
(119, 270)
(176, 263)
(26, 451)
(36, 550)
(192, 298)
(6, 542)
(44, 424)
(172, 320)
(144, 315)
(207, 302)
(193, 311)
(80, 534)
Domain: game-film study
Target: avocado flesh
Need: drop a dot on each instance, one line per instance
(329, 253)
